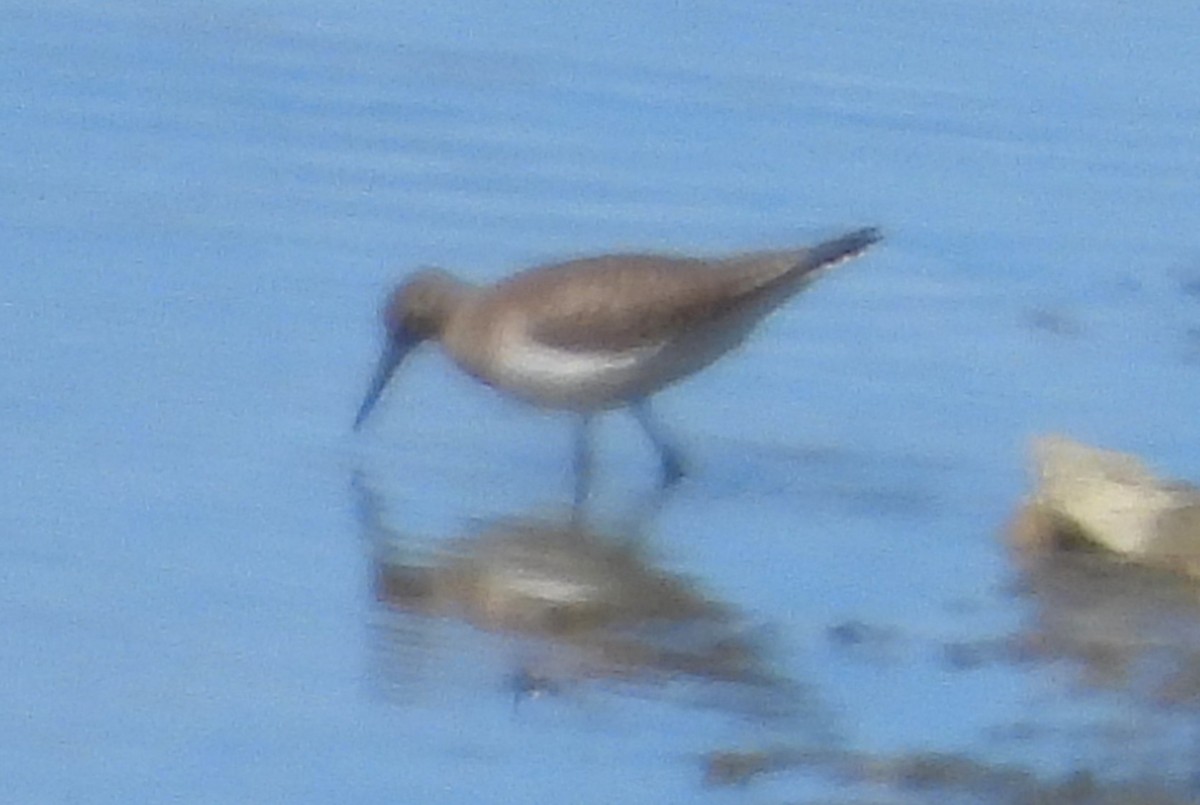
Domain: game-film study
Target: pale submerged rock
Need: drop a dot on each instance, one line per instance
(1090, 496)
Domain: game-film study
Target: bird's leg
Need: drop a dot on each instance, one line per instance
(583, 461)
(672, 463)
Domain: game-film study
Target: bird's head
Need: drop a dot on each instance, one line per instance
(416, 311)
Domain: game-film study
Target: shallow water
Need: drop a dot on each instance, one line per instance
(203, 205)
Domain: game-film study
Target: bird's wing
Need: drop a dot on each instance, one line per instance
(628, 302)
(622, 302)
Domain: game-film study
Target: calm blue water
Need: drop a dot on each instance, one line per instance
(202, 204)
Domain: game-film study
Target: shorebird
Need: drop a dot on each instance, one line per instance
(599, 333)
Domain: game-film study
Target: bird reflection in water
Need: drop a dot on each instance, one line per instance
(583, 605)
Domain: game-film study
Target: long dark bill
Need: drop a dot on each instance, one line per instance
(393, 353)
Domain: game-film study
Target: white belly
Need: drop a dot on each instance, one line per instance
(588, 381)
(582, 381)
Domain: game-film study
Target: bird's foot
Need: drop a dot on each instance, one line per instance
(673, 470)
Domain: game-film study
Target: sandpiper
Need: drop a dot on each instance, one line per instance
(599, 333)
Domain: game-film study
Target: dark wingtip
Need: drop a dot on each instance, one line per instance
(859, 240)
(845, 247)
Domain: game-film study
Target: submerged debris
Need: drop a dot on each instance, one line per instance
(941, 776)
